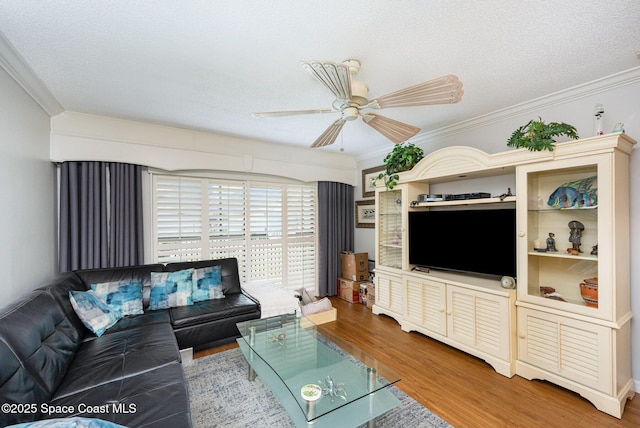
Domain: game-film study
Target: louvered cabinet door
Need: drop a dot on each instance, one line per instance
(461, 315)
(396, 294)
(434, 306)
(492, 325)
(426, 304)
(383, 290)
(414, 309)
(480, 320)
(389, 295)
(576, 350)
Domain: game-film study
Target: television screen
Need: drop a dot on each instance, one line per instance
(481, 241)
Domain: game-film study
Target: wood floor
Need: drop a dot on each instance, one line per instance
(461, 389)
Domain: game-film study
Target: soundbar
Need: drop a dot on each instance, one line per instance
(465, 196)
(430, 198)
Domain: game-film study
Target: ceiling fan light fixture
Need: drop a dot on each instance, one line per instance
(359, 93)
(350, 113)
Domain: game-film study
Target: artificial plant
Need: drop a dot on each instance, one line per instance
(403, 157)
(537, 135)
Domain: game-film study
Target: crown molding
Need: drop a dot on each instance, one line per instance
(623, 78)
(19, 70)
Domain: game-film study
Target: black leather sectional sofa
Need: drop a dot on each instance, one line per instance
(52, 366)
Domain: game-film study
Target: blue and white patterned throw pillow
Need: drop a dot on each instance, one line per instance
(93, 312)
(171, 289)
(125, 295)
(75, 422)
(207, 284)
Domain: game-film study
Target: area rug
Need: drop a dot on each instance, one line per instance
(222, 396)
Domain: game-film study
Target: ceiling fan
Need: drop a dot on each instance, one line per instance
(352, 98)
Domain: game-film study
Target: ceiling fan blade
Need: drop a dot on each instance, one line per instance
(443, 90)
(268, 114)
(330, 134)
(334, 76)
(397, 132)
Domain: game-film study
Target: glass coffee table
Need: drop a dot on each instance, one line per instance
(320, 380)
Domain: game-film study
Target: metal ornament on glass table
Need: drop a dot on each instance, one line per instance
(278, 338)
(333, 389)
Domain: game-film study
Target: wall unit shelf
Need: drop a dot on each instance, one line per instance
(480, 201)
(534, 332)
(560, 255)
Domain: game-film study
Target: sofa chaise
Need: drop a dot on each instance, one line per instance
(53, 366)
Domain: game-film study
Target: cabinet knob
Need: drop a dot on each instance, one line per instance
(522, 336)
(441, 309)
(522, 234)
(449, 312)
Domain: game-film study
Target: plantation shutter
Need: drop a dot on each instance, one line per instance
(270, 228)
(265, 230)
(178, 215)
(301, 236)
(227, 221)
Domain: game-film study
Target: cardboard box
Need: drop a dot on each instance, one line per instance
(320, 317)
(354, 266)
(371, 300)
(349, 290)
(349, 295)
(371, 289)
(358, 276)
(362, 297)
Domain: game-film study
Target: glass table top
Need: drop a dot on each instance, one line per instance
(321, 372)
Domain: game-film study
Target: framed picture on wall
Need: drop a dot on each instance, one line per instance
(366, 214)
(368, 191)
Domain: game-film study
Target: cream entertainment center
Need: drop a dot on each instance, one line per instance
(566, 317)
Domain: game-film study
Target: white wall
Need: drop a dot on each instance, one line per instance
(619, 94)
(28, 218)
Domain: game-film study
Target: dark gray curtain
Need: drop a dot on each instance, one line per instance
(126, 241)
(336, 215)
(83, 215)
(90, 236)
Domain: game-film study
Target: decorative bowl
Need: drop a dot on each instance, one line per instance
(589, 292)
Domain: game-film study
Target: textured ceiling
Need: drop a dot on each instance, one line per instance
(207, 65)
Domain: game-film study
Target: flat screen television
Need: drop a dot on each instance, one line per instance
(478, 241)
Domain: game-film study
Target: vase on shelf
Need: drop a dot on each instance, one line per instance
(589, 292)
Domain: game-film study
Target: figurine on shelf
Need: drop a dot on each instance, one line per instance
(550, 293)
(575, 236)
(504, 195)
(537, 247)
(594, 250)
(619, 127)
(551, 242)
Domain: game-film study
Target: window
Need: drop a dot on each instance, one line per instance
(269, 227)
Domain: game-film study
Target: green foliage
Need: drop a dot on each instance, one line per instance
(537, 135)
(403, 157)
